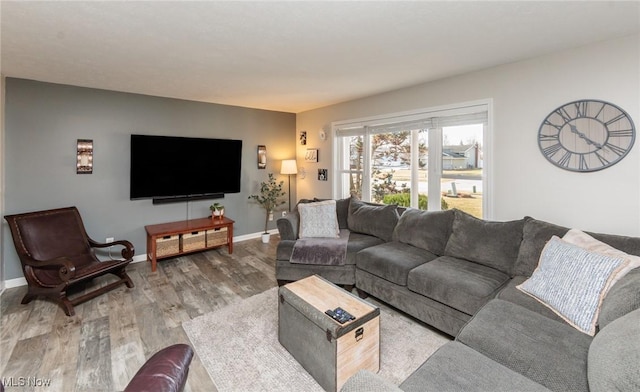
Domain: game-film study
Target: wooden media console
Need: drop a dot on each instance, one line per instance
(172, 239)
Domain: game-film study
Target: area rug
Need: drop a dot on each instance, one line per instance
(238, 345)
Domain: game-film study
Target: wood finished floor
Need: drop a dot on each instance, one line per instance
(111, 336)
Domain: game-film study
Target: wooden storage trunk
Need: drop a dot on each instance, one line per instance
(168, 245)
(217, 236)
(193, 241)
(331, 352)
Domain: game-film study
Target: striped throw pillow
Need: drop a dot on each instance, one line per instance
(571, 281)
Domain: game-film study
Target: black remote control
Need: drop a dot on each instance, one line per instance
(340, 315)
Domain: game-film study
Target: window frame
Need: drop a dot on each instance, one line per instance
(367, 126)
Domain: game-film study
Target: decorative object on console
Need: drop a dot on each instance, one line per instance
(311, 155)
(262, 157)
(586, 135)
(217, 210)
(289, 167)
(84, 156)
(269, 199)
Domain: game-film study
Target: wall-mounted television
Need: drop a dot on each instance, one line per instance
(173, 168)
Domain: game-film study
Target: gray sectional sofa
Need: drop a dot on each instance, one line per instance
(459, 274)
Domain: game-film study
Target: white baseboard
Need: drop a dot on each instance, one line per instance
(17, 282)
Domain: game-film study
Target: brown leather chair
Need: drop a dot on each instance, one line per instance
(56, 253)
(165, 371)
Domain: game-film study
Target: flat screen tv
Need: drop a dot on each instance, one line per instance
(172, 168)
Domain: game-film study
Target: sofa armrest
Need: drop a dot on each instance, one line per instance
(288, 226)
(366, 381)
(165, 371)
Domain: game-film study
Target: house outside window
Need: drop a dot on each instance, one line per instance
(428, 159)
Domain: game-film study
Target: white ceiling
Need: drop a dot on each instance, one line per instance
(288, 56)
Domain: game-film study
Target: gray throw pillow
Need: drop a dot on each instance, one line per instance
(342, 210)
(376, 220)
(490, 243)
(428, 230)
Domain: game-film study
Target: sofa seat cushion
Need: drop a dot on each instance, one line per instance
(456, 367)
(461, 284)
(338, 274)
(494, 244)
(357, 242)
(546, 351)
(392, 261)
(512, 294)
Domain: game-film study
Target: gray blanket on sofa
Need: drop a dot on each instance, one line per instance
(324, 251)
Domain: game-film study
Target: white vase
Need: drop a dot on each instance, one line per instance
(265, 238)
(217, 214)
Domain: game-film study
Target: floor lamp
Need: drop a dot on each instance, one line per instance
(289, 167)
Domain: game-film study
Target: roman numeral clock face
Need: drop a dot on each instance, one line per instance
(586, 136)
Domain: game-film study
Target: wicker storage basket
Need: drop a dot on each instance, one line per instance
(193, 241)
(217, 237)
(167, 245)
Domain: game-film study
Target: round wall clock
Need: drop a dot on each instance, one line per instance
(586, 135)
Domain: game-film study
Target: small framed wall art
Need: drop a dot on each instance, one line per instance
(323, 174)
(303, 138)
(84, 156)
(311, 155)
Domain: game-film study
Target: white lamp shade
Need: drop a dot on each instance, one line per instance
(289, 166)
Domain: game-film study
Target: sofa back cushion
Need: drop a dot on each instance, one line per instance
(428, 230)
(375, 220)
(622, 298)
(536, 233)
(614, 354)
(494, 244)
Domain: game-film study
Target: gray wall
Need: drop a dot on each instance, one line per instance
(43, 122)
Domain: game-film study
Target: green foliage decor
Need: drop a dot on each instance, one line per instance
(270, 192)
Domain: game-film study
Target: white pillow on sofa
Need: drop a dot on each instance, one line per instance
(319, 219)
(584, 240)
(572, 282)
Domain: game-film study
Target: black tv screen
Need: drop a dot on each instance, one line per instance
(168, 167)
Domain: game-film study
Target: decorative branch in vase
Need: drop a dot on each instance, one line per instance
(270, 193)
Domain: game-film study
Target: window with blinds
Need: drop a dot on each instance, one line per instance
(429, 159)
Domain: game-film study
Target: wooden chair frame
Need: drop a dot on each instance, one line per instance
(66, 267)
